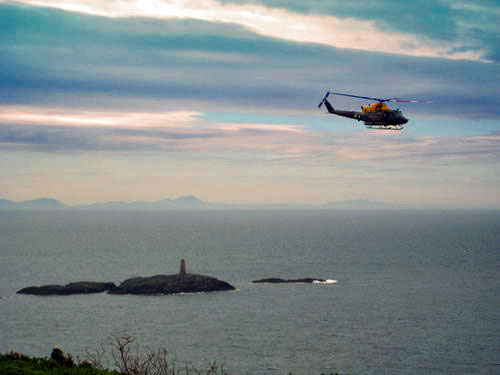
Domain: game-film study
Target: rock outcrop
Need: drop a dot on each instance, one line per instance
(171, 284)
(182, 282)
(80, 287)
(274, 280)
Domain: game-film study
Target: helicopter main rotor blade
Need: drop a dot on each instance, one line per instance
(400, 100)
(361, 97)
(381, 100)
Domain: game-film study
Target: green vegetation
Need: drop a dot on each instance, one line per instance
(124, 352)
(20, 364)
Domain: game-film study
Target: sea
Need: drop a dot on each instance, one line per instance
(408, 291)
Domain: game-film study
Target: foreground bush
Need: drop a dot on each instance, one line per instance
(20, 364)
(123, 352)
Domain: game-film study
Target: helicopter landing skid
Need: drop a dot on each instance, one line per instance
(385, 127)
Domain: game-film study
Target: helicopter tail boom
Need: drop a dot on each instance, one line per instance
(329, 107)
(333, 111)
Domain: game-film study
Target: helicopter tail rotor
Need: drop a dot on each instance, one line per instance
(324, 98)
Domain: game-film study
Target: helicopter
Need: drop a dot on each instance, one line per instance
(375, 116)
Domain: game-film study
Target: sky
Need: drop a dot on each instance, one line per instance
(152, 99)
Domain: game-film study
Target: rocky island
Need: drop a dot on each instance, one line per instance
(79, 287)
(182, 282)
(275, 280)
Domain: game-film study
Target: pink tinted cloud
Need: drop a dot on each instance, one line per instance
(78, 118)
(189, 132)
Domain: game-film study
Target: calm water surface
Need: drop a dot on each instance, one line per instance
(417, 293)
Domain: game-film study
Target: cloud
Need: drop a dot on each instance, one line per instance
(278, 23)
(194, 134)
(67, 117)
(213, 98)
(55, 58)
(49, 138)
(470, 23)
(259, 128)
(63, 129)
(422, 152)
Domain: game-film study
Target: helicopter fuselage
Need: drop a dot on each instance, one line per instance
(380, 119)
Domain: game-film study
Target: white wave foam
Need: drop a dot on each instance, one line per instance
(330, 281)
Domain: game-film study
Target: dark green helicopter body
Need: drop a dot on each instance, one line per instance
(376, 116)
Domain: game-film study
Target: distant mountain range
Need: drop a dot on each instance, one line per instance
(364, 204)
(190, 202)
(35, 204)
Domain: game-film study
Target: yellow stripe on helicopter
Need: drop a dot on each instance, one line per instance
(375, 107)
